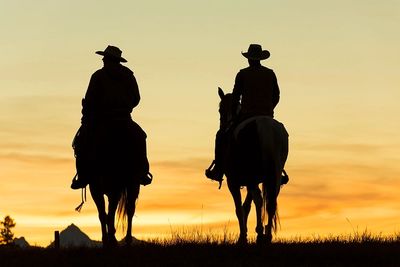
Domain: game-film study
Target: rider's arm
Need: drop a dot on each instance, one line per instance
(237, 93)
(134, 92)
(90, 102)
(275, 91)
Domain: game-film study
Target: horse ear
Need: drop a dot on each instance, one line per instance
(220, 92)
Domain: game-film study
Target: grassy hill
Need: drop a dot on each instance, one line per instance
(364, 250)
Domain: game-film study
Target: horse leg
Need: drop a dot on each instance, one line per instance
(112, 207)
(271, 190)
(271, 209)
(258, 201)
(98, 199)
(133, 193)
(237, 198)
(247, 206)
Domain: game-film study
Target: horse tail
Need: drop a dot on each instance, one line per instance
(270, 158)
(122, 210)
(270, 207)
(126, 205)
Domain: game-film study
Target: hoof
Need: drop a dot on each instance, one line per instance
(268, 238)
(128, 241)
(263, 239)
(242, 241)
(110, 242)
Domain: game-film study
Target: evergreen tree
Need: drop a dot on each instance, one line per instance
(6, 235)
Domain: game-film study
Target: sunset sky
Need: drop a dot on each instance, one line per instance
(337, 64)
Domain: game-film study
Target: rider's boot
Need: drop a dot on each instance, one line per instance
(285, 178)
(215, 171)
(146, 179)
(78, 183)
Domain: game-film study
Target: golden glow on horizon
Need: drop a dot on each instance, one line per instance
(337, 65)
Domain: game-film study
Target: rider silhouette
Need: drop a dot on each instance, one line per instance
(111, 96)
(257, 92)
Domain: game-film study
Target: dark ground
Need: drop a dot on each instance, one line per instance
(278, 254)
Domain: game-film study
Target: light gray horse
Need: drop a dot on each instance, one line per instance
(257, 149)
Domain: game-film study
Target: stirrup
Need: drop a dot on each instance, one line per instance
(83, 195)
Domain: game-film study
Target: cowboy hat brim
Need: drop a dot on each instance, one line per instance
(263, 55)
(102, 53)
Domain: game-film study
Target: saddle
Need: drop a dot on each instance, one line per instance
(256, 141)
(262, 122)
(118, 149)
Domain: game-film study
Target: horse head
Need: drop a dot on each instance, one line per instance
(226, 114)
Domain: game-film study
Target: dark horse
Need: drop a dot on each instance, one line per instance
(113, 167)
(256, 152)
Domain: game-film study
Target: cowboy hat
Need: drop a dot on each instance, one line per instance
(255, 52)
(112, 51)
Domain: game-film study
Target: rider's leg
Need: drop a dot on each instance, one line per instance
(140, 146)
(81, 178)
(215, 171)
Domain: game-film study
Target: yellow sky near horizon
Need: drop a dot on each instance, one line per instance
(337, 65)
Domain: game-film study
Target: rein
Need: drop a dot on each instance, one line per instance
(83, 196)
